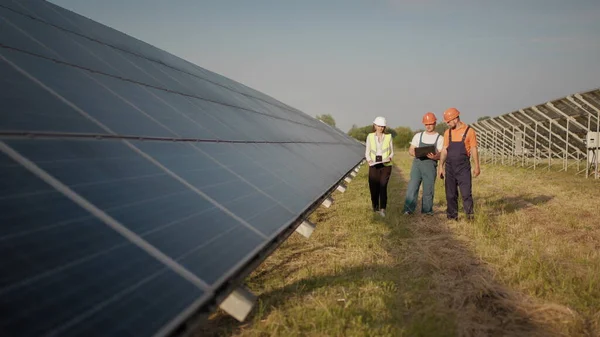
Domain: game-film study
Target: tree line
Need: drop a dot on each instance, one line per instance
(401, 135)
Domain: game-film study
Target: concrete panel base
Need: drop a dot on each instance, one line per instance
(239, 303)
(306, 228)
(328, 202)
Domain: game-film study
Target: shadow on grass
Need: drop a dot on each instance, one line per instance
(435, 287)
(498, 205)
(516, 203)
(459, 286)
(276, 268)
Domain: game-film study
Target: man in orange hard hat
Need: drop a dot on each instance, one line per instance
(423, 168)
(460, 145)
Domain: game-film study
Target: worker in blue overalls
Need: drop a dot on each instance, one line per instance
(423, 169)
(460, 145)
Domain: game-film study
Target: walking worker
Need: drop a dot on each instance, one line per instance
(460, 144)
(378, 153)
(423, 169)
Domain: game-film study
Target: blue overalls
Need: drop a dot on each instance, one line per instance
(458, 176)
(422, 170)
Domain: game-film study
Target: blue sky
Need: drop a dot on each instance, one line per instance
(359, 59)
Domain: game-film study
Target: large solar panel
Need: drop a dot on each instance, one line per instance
(135, 185)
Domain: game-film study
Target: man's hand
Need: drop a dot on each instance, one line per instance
(476, 171)
(411, 150)
(370, 162)
(441, 173)
(433, 156)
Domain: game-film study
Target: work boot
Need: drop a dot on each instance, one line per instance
(382, 212)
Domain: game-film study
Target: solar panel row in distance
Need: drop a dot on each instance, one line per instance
(136, 186)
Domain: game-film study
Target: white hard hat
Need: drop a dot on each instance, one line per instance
(380, 121)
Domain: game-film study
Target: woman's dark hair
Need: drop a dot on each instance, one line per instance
(373, 128)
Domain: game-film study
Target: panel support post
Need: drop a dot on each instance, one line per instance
(549, 146)
(348, 180)
(535, 148)
(239, 303)
(306, 228)
(565, 159)
(341, 188)
(328, 202)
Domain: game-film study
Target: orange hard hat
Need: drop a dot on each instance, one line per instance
(450, 114)
(429, 118)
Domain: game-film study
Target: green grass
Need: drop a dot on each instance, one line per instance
(528, 265)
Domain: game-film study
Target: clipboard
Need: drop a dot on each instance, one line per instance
(421, 152)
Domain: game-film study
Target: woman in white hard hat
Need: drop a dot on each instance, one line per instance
(378, 153)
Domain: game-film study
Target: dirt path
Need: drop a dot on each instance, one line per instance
(462, 283)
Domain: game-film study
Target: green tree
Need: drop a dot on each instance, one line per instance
(441, 128)
(403, 137)
(361, 133)
(391, 132)
(327, 119)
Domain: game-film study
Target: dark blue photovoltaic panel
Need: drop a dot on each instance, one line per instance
(209, 206)
(266, 166)
(13, 27)
(215, 259)
(185, 118)
(145, 102)
(42, 10)
(88, 54)
(262, 211)
(88, 95)
(44, 113)
(66, 274)
(146, 199)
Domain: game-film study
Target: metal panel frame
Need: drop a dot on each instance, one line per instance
(553, 130)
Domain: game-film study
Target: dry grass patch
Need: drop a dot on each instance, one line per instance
(539, 232)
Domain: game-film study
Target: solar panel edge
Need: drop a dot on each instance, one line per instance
(85, 72)
(301, 113)
(256, 93)
(351, 149)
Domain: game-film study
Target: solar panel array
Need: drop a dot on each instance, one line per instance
(561, 134)
(134, 184)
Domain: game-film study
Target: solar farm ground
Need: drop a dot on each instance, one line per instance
(529, 265)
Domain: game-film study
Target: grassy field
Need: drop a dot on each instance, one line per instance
(529, 265)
